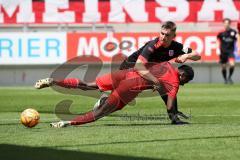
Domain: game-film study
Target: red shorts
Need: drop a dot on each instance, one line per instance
(121, 87)
(110, 81)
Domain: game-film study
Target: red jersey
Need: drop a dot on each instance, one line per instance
(167, 75)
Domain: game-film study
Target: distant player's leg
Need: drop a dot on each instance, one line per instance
(231, 69)
(224, 73)
(223, 61)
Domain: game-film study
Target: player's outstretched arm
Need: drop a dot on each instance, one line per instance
(144, 72)
(172, 113)
(195, 56)
(191, 56)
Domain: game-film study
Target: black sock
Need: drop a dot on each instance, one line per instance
(224, 73)
(231, 70)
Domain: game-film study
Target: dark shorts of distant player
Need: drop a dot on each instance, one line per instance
(226, 57)
(121, 93)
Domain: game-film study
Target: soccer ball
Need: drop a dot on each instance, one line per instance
(30, 117)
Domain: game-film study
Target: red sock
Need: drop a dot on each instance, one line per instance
(69, 83)
(86, 118)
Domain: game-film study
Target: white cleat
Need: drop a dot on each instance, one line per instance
(43, 83)
(101, 100)
(60, 124)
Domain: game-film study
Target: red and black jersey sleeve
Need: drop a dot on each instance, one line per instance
(148, 50)
(153, 51)
(180, 49)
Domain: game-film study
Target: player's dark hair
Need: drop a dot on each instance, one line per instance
(169, 25)
(227, 19)
(188, 71)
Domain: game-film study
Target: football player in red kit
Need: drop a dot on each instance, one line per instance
(125, 85)
(161, 49)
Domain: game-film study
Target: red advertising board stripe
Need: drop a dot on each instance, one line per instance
(57, 48)
(95, 44)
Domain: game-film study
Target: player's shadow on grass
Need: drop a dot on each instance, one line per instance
(139, 124)
(156, 123)
(13, 152)
(157, 140)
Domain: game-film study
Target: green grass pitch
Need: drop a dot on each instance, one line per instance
(136, 132)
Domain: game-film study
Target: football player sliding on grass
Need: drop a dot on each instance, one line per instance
(161, 49)
(125, 85)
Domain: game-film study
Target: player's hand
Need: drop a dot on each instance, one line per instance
(181, 58)
(156, 87)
